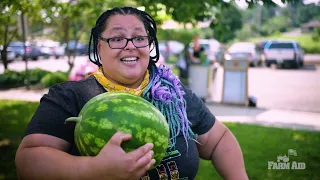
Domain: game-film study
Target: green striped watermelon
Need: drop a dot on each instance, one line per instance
(104, 115)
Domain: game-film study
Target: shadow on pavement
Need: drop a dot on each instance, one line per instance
(234, 110)
(306, 67)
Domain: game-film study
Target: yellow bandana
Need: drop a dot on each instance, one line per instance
(112, 87)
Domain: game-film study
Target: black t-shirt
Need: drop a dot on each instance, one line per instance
(67, 99)
(198, 52)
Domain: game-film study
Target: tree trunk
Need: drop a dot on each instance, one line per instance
(74, 51)
(4, 50)
(4, 58)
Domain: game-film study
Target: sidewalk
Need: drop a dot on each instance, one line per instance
(225, 113)
(267, 117)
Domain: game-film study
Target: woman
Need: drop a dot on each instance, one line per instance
(197, 50)
(121, 43)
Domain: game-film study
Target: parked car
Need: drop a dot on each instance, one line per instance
(284, 53)
(10, 54)
(32, 51)
(169, 48)
(51, 48)
(213, 49)
(245, 50)
(81, 49)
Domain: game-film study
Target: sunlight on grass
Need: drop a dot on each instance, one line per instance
(260, 145)
(13, 121)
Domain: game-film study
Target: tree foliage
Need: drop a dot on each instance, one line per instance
(229, 20)
(10, 11)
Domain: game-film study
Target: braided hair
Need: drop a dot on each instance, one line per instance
(101, 24)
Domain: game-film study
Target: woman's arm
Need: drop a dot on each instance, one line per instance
(193, 59)
(41, 156)
(221, 147)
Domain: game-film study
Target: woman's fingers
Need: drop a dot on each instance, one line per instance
(119, 137)
(140, 152)
(143, 170)
(144, 160)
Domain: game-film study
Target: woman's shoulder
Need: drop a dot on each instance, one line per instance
(89, 82)
(85, 88)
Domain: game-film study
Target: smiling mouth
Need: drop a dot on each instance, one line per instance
(129, 59)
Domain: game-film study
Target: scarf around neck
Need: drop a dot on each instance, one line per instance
(113, 87)
(162, 89)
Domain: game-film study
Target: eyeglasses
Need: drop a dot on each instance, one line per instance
(121, 42)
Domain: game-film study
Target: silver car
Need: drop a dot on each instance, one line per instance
(245, 50)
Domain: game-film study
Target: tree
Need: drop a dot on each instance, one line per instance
(229, 20)
(71, 19)
(8, 31)
(10, 11)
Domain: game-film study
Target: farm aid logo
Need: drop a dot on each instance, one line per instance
(283, 162)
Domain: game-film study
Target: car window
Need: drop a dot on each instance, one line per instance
(281, 46)
(205, 46)
(298, 46)
(242, 47)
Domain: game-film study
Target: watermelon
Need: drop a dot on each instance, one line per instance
(104, 115)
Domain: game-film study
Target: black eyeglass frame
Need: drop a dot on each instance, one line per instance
(128, 39)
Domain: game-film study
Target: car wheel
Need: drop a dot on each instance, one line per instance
(296, 65)
(301, 63)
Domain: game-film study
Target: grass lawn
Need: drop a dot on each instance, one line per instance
(259, 145)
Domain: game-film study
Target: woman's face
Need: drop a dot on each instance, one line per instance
(125, 66)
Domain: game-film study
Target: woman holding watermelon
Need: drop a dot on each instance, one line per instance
(122, 40)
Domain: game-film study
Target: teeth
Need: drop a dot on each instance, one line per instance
(129, 59)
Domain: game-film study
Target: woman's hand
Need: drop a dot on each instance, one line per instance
(114, 163)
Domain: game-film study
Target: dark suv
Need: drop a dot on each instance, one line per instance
(32, 51)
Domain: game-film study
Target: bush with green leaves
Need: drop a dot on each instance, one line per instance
(45, 78)
(51, 79)
(12, 78)
(35, 75)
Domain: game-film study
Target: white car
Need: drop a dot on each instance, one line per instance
(51, 48)
(283, 53)
(244, 50)
(212, 48)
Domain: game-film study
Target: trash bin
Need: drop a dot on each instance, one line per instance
(216, 87)
(200, 77)
(235, 82)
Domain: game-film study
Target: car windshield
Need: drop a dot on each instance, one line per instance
(281, 46)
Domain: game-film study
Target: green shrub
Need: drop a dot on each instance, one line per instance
(35, 75)
(51, 79)
(10, 77)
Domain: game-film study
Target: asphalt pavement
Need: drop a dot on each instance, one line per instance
(226, 113)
